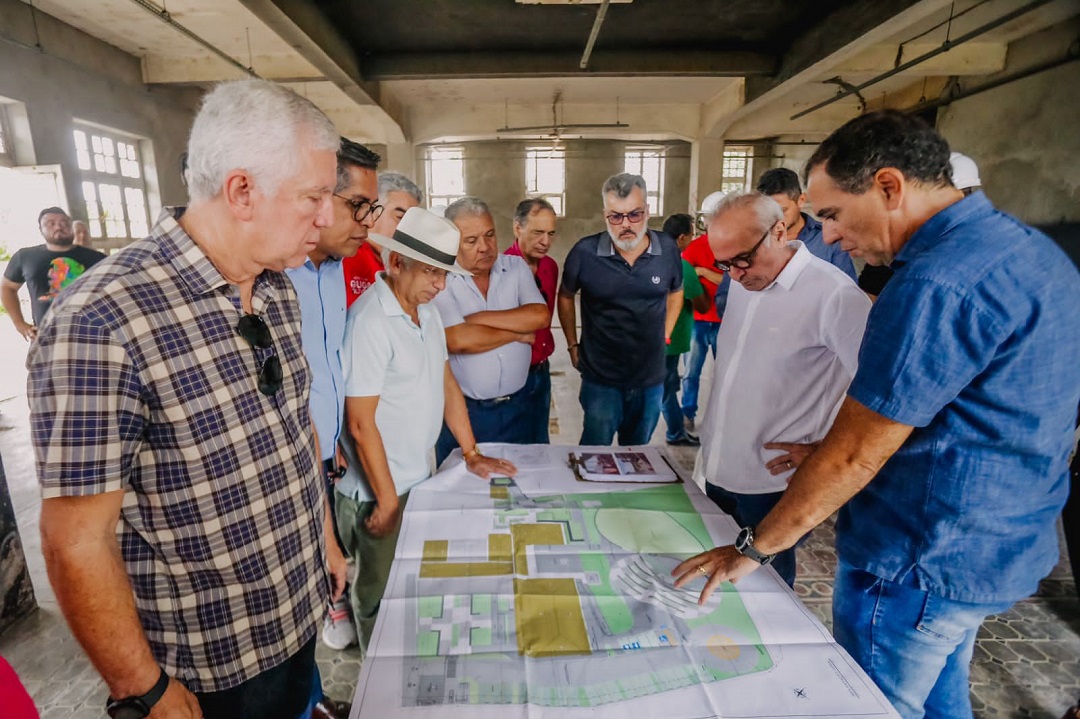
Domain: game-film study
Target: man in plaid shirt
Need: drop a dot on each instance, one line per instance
(183, 522)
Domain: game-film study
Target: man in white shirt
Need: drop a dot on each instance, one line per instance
(398, 391)
(491, 318)
(786, 353)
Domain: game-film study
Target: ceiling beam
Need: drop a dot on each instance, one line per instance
(446, 65)
(302, 25)
(973, 58)
(203, 69)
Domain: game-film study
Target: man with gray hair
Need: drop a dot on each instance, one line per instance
(397, 194)
(630, 279)
(786, 352)
(184, 521)
(491, 317)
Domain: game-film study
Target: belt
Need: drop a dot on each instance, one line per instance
(540, 366)
(494, 401)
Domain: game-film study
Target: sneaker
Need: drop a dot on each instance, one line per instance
(338, 631)
(688, 422)
(687, 440)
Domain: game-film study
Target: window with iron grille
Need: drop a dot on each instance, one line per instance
(445, 175)
(737, 166)
(545, 175)
(113, 186)
(649, 163)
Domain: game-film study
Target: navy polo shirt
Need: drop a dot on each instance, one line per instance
(623, 308)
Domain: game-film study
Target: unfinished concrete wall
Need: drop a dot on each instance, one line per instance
(495, 172)
(1023, 135)
(61, 74)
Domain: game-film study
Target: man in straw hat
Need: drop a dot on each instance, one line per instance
(398, 391)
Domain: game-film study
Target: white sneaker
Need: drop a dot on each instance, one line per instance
(338, 631)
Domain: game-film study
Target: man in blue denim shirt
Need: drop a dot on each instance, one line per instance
(963, 407)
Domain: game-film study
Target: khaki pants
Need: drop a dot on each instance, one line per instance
(373, 557)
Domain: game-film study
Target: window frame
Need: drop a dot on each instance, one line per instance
(443, 199)
(532, 183)
(730, 179)
(113, 159)
(654, 195)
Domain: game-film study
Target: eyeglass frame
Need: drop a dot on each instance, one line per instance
(374, 209)
(743, 260)
(625, 216)
(270, 376)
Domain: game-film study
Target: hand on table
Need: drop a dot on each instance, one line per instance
(717, 565)
(484, 467)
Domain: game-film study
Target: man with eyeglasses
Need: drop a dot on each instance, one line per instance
(630, 280)
(948, 460)
(320, 285)
(397, 194)
(183, 519)
(786, 353)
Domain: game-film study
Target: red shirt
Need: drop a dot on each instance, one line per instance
(360, 271)
(14, 699)
(699, 254)
(547, 281)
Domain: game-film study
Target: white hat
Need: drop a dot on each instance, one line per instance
(965, 173)
(708, 205)
(424, 236)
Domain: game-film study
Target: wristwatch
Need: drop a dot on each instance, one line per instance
(744, 544)
(138, 707)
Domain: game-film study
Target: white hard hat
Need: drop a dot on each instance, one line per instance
(708, 205)
(965, 173)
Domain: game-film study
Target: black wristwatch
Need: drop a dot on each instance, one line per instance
(744, 544)
(138, 707)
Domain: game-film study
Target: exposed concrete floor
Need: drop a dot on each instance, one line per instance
(1027, 661)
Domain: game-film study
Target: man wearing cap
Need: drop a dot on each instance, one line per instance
(706, 324)
(630, 279)
(45, 269)
(491, 318)
(397, 194)
(398, 391)
(534, 234)
(783, 186)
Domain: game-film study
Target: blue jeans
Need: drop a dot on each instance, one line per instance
(633, 413)
(748, 510)
(538, 394)
(493, 420)
(702, 341)
(673, 414)
(281, 692)
(915, 645)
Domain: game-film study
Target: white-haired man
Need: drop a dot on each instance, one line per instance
(183, 523)
(398, 392)
(397, 194)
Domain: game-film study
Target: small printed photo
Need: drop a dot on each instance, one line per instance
(634, 463)
(599, 463)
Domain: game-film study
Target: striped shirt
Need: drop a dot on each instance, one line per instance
(139, 382)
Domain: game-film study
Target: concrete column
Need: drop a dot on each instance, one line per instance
(706, 166)
(401, 157)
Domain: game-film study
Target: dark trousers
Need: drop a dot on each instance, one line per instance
(748, 510)
(538, 393)
(673, 414)
(505, 419)
(279, 693)
(1070, 518)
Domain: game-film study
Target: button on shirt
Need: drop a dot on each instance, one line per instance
(623, 308)
(784, 358)
(547, 281)
(811, 236)
(322, 311)
(139, 382)
(503, 370)
(974, 342)
(387, 355)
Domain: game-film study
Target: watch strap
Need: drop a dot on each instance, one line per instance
(149, 699)
(745, 546)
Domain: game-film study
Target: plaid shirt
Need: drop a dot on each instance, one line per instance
(139, 382)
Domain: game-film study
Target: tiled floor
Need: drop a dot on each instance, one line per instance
(1027, 661)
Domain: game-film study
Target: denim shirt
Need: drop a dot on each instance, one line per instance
(811, 236)
(321, 291)
(975, 343)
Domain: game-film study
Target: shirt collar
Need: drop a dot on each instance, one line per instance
(514, 249)
(605, 247)
(810, 227)
(929, 234)
(790, 274)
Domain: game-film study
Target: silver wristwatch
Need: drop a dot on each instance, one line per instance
(744, 544)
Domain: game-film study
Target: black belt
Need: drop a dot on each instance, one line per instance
(494, 401)
(543, 365)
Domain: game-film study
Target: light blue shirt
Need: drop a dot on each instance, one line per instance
(974, 343)
(388, 356)
(322, 323)
(811, 236)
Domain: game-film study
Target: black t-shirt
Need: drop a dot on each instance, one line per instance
(874, 278)
(623, 308)
(45, 272)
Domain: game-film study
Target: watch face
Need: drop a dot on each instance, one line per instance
(127, 710)
(743, 539)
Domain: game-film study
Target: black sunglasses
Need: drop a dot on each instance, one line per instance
(362, 208)
(745, 260)
(257, 334)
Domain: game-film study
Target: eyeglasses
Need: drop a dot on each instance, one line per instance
(616, 218)
(745, 260)
(257, 334)
(361, 209)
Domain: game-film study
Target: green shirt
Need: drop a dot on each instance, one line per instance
(680, 336)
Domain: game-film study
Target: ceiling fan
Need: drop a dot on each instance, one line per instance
(556, 129)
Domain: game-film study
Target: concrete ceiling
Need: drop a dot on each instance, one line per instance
(394, 71)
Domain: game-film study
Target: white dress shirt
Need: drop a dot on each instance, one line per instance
(387, 355)
(503, 370)
(785, 356)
